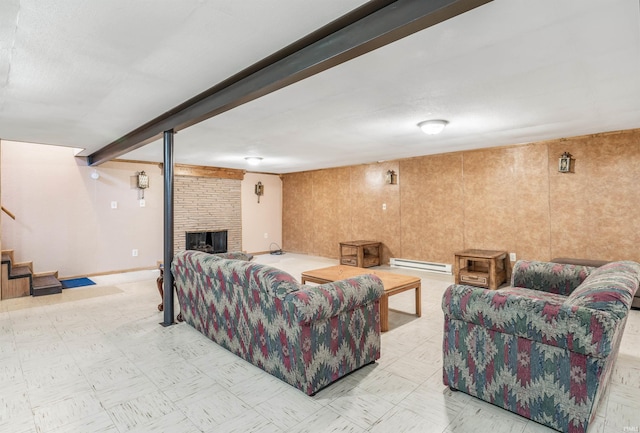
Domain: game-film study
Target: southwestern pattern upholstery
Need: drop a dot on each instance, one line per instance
(543, 348)
(306, 336)
(234, 255)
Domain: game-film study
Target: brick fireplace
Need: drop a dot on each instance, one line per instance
(205, 204)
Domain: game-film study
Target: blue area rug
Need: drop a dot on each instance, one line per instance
(76, 282)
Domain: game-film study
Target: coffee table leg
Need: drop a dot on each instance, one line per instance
(419, 301)
(384, 313)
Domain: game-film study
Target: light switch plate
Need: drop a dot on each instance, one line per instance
(114, 205)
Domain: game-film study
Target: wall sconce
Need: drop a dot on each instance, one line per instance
(142, 183)
(391, 178)
(565, 164)
(259, 190)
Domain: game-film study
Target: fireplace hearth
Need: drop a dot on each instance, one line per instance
(208, 241)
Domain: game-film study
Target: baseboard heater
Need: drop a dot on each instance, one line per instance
(440, 268)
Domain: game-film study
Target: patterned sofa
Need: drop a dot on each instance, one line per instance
(543, 348)
(306, 336)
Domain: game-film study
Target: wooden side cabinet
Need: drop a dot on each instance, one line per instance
(482, 268)
(362, 254)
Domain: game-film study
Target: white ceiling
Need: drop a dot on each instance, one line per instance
(82, 74)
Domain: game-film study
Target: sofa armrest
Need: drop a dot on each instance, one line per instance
(561, 279)
(575, 328)
(313, 303)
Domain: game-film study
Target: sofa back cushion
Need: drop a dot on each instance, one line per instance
(560, 279)
(274, 282)
(234, 255)
(608, 288)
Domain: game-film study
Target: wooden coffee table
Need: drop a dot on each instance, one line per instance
(393, 284)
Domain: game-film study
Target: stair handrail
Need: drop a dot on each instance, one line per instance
(5, 210)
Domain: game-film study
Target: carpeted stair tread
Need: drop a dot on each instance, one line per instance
(46, 285)
(20, 271)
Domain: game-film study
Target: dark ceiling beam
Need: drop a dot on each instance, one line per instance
(373, 25)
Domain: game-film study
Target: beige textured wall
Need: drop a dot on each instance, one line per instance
(322, 208)
(595, 212)
(509, 198)
(298, 214)
(431, 187)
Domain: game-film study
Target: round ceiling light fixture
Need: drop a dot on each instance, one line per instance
(432, 127)
(253, 160)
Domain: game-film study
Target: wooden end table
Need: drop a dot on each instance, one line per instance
(482, 268)
(361, 254)
(393, 284)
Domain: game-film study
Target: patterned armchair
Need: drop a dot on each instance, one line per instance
(543, 348)
(306, 336)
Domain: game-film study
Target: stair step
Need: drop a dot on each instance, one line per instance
(6, 258)
(19, 272)
(46, 285)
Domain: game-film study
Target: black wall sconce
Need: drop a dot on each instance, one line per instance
(565, 163)
(259, 190)
(391, 178)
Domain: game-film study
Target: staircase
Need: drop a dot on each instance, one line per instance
(19, 280)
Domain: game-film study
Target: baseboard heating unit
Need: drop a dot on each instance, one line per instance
(440, 268)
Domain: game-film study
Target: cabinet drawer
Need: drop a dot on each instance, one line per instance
(474, 279)
(349, 260)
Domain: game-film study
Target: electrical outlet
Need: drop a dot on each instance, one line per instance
(384, 206)
(512, 257)
(114, 205)
(134, 253)
(142, 203)
(266, 235)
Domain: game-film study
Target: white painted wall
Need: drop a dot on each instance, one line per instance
(64, 219)
(263, 217)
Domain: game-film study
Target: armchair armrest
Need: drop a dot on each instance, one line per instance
(575, 328)
(313, 303)
(561, 279)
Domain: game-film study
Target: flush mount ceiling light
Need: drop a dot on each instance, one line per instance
(253, 160)
(431, 127)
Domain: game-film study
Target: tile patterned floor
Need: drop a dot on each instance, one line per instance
(96, 359)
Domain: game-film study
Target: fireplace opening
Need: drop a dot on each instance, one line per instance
(208, 242)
